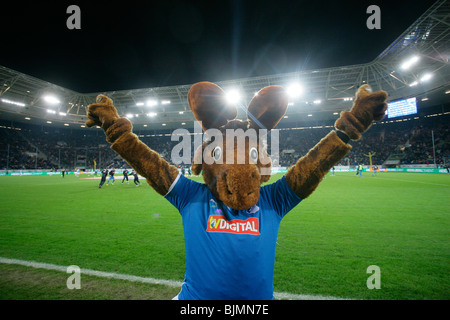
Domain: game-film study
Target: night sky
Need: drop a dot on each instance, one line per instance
(131, 45)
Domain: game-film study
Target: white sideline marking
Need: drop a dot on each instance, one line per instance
(89, 272)
(169, 283)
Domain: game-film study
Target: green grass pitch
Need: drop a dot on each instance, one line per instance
(398, 222)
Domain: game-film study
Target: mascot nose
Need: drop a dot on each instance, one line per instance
(242, 180)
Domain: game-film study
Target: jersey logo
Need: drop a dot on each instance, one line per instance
(218, 223)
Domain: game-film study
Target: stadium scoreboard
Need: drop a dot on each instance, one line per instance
(402, 108)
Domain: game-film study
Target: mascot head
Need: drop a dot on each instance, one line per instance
(234, 161)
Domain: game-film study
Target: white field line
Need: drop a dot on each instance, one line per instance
(169, 283)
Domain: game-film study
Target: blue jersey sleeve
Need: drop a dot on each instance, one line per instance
(280, 197)
(182, 191)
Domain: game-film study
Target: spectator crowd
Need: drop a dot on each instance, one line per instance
(38, 147)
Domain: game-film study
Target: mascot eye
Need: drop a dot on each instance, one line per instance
(253, 154)
(217, 153)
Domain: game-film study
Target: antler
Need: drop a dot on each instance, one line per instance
(267, 108)
(208, 104)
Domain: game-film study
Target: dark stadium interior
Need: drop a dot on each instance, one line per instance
(30, 125)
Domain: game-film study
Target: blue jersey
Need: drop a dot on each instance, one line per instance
(230, 254)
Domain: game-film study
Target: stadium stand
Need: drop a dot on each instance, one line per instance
(407, 140)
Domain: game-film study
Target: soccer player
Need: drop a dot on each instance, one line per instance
(375, 168)
(111, 177)
(104, 175)
(125, 176)
(136, 178)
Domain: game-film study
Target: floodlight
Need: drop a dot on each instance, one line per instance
(415, 83)
(317, 101)
(51, 99)
(151, 114)
(426, 77)
(152, 103)
(233, 96)
(164, 102)
(408, 63)
(51, 111)
(20, 104)
(294, 90)
(129, 116)
(140, 104)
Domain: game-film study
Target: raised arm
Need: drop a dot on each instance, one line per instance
(148, 163)
(307, 173)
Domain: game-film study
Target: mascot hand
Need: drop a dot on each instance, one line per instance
(102, 113)
(367, 107)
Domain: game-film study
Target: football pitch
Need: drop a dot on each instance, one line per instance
(398, 222)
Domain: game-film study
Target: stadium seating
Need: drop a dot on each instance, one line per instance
(407, 141)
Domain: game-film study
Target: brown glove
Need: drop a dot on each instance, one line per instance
(104, 114)
(148, 163)
(367, 107)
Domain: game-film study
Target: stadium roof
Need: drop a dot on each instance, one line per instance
(325, 92)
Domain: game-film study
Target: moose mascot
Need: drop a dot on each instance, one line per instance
(230, 221)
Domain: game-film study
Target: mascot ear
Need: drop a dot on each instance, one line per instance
(208, 104)
(267, 108)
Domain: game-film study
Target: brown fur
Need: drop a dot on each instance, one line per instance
(238, 185)
(308, 172)
(148, 163)
(267, 108)
(102, 114)
(366, 108)
(208, 104)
